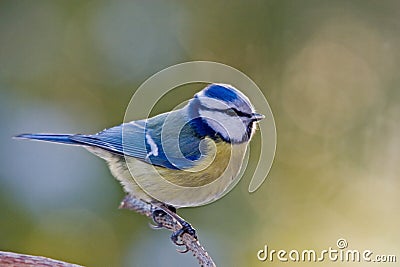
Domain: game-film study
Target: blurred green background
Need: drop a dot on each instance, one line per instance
(329, 69)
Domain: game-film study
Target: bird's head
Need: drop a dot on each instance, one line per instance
(222, 110)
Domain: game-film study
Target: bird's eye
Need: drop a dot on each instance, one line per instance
(231, 112)
(234, 112)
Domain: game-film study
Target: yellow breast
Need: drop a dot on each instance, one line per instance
(212, 174)
(206, 170)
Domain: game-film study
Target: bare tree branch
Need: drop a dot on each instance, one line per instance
(22, 260)
(170, 222)
(163, 219)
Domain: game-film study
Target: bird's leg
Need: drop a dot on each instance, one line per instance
(165, 216)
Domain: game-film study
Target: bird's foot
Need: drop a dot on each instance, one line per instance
(186, 229)
(164, 217)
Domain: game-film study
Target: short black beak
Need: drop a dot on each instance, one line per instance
(257, 116)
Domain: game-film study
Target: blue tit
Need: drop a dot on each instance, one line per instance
(183, 158)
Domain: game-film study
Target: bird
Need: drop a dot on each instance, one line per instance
(183, 158)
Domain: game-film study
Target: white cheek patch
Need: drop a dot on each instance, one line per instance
(230, 127)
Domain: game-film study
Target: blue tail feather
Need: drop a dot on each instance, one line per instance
(56, 138)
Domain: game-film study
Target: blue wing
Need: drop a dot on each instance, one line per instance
(139, 139)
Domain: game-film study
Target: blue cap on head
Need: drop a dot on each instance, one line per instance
(227, 94)
(222, 92)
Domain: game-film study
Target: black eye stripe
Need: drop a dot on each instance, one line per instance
(240, 113)
(228, 111)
